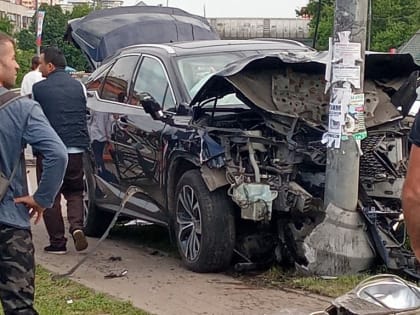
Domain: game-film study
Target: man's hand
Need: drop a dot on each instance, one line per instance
(34, 208)
(411, 199)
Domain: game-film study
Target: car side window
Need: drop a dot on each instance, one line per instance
(151, 78)
(117, 82)
(94, 83)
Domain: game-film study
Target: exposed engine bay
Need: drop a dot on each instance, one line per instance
(269, 148)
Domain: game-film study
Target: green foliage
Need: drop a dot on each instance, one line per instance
(26, 40)
(6, 25)
(326, 21)
(74, 57)
(54, 27)
(333, 287)
(80, 11)
(23, 58)
(55, 23)
(393, 22)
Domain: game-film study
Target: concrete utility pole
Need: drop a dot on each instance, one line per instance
(342, 173)
(339, 245)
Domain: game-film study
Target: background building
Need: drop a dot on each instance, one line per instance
(245, 28)
(31, 4)
(19, 15)
(412, 47)
(106, 4)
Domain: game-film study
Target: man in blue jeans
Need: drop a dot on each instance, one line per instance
(22, 122)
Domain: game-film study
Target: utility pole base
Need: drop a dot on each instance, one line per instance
(339, 245)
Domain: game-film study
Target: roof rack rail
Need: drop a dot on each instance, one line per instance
(282, 40)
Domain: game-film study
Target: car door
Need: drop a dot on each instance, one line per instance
(152, 78)
(127, 139)
(114, 95)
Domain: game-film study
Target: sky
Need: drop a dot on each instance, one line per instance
(233, 8)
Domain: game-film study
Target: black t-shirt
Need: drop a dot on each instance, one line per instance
(414, 136)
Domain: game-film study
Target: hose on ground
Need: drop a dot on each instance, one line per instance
(128, 194)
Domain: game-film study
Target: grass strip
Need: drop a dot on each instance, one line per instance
(66, 297)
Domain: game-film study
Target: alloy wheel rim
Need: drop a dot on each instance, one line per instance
(188, 218)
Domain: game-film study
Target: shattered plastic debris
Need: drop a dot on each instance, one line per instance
(115, 258)
(328, 278)
(116, 275)
(137, 222)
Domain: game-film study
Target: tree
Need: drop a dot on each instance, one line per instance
(23, 58)
(54, 27)
(26, 40)
(6, 25)
(55, 23)
(80, 10)
(393, 22)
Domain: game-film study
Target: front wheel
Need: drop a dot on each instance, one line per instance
(204, 224)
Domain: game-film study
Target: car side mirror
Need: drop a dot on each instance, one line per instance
(151, 106)
(183, 109)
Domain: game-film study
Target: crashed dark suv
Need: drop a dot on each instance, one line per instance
(223, 138)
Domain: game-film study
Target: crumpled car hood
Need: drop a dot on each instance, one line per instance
(101, 33)
(293, 84)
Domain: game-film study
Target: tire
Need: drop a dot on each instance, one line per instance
(95, 221)
(205, 218)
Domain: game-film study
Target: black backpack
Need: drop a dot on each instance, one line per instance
(5, 99)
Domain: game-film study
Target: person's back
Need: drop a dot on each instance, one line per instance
(29, 80)
(22, 121)
(15, 119)
(63, 101)
(31, 77)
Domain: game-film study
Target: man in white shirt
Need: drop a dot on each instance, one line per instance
(31, 77)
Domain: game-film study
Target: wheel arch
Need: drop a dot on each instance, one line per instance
(180, 163)
(213, 178)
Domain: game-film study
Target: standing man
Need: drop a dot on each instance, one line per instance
(31, 77)
(411, 190)
(64, 103)
(22, 121)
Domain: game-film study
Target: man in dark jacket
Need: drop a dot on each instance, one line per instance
(22, 121)
(63, 101)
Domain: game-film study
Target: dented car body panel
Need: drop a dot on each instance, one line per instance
(253, 130)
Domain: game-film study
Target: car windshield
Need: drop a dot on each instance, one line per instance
(195, 70)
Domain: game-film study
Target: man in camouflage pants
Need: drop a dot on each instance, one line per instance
(22, 121)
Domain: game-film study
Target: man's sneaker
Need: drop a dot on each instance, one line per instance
(58, 250)
(80, 241)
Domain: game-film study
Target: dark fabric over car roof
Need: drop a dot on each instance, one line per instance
(101, 33)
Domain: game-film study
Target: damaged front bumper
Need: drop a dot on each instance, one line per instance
(273, 162)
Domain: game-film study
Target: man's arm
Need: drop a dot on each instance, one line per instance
(411, 199)
(42, 137)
